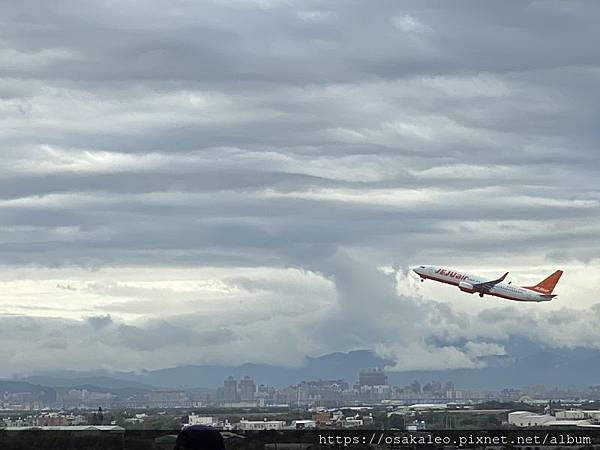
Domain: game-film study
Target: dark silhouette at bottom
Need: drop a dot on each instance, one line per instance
(199, 437)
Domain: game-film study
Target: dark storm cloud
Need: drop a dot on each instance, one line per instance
(327, 136)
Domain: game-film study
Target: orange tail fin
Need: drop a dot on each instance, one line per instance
(547, 286)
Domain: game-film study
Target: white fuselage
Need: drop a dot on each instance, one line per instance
(463, 280)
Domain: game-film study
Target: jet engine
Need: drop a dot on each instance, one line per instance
(466, 287)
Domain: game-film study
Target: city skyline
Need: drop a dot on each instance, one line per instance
(247, 392)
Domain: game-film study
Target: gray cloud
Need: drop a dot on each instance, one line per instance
(99, 322)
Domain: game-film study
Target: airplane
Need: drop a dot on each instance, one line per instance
(541, 292)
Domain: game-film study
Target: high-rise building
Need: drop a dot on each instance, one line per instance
(230, 393)
(247, 389)
(372, 377)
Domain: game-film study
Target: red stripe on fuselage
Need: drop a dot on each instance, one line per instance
(511, 298)
(487, 293)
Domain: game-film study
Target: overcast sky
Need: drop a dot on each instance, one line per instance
(248, 181)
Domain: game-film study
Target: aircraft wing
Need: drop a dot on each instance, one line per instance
(487, 285)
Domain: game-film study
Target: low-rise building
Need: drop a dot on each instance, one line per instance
(304, 424)
(260, 425)
(578, 415)
(528, 419)
(194, 419)
(351, 422)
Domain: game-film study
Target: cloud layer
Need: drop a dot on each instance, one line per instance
(223, 182)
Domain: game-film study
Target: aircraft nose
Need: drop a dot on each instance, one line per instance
(415, 269)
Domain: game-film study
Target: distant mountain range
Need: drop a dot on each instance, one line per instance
(331, 366)
(107, 382)
(43, 390)
(526, 364)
